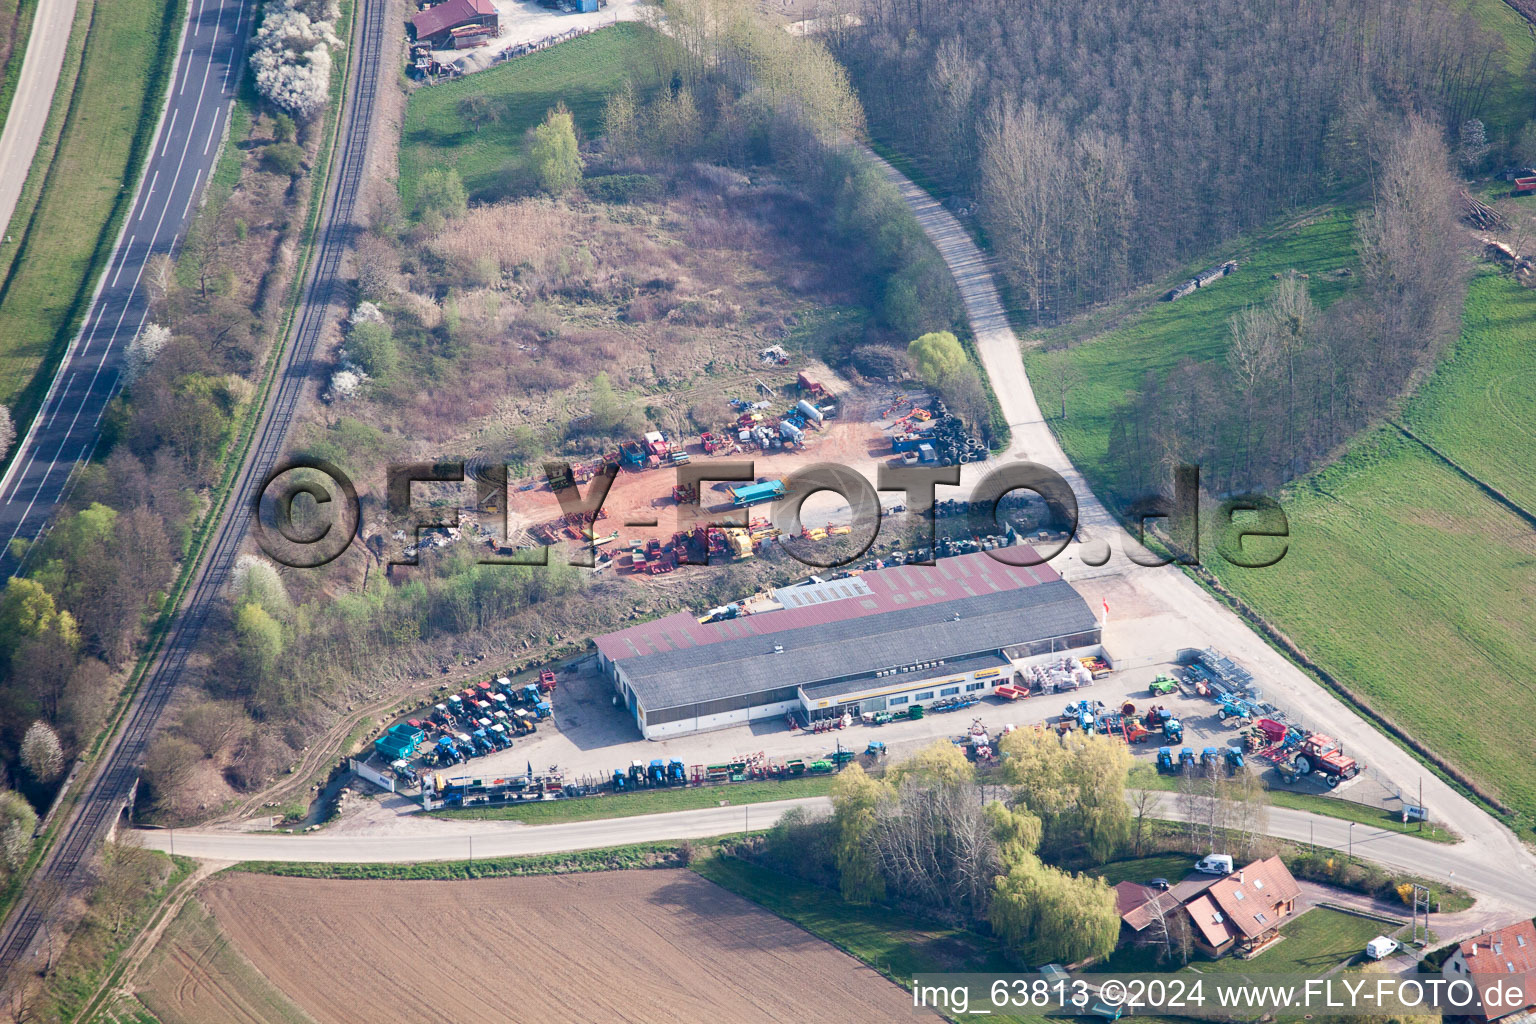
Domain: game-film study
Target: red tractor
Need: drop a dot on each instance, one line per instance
(1322, 754)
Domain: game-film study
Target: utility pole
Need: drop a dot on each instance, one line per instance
(1351, 841)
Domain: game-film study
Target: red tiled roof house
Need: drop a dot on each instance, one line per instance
(1506, 957)
(1242, 913)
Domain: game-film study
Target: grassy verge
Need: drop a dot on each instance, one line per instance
(15, 31)
(1315, 942)
(654, 801)
(896, 943)
(616, 858)
(80, 974)
(112, 106)
(1512, 90)
(579, 73)
(1144, 777)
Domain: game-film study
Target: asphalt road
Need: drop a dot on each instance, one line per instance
(65, 431)
(30, 103)
(1460, 863)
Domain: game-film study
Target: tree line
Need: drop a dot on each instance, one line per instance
(1106, 143)
(1296, 380)
(931, 836)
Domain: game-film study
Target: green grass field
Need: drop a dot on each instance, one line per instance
(1512, 94)
(1146, 777)
(1315, 942)
(1409, 583)
(66, 221)
(1159, 335)
(580, 73)
(650, 801)
(1482, 406)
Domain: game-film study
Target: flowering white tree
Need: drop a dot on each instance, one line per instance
(41, 753)
(366, 313)
(345, 383)
(143, 349)
(292, 58)
(256, 579)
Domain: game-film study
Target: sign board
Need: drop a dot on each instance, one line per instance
(988, 673)
(374, 776)
(1415, 813)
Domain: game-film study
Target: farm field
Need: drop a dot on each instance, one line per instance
(1482, 406)
(613, 946)
(70, 216)
(579, 73)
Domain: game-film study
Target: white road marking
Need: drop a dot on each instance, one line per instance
(144, 205)
(165, 141)
(192, 194)
(126, 250)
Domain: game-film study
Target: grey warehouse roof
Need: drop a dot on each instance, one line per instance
(838, 649)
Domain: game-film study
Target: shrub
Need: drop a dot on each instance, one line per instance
(623, 188)
(283, 158)
(441, 191)
(371, 345)
(880, 361)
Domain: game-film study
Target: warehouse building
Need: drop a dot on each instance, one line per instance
(456, 24)
(880, 641)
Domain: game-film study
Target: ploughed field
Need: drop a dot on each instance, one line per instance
(644, 946)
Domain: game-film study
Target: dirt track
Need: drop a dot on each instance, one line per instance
(643, 946)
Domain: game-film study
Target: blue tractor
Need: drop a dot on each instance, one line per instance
(620, 783)
(1165, 760)
(1173, 730)
(1234, 760)
(657, 776)
(1187, 761)
(1210, 760)
(677, 772)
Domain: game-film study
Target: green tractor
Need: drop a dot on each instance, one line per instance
(1162, 686)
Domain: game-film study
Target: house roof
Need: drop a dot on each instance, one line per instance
(1140, 905)
(449, 14)
(871, 593)
(1253, 898)
(848, 648)
(1209, 921)
(1493, 957)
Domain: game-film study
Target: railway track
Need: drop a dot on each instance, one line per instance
(106, 794)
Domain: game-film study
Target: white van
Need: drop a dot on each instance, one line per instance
(1215, 864)
(1381, 947)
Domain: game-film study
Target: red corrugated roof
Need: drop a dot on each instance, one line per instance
(901, 586)
(448, 15)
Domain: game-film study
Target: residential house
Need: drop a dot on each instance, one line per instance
(1242, 913)
(1141, 907)
(1504, 957)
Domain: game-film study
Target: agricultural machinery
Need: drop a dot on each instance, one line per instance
(1210, 760)
(876, 749)
(1162, 686)
(657, 775)
(637, 773)
(498, 734)
(1165, 760)
(1186, 760)
(677, 773)
(1135, 732)
(546, 681)
(447, 752)
(1234, 760)
(1173, 730)
(620, 781)
(482, 742)
(1322, 754)
(1235, 707)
